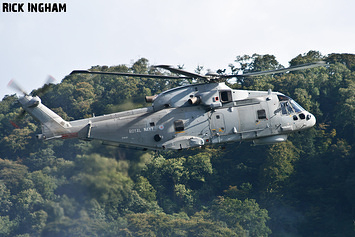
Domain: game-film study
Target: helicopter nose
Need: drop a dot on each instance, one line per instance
(311, 120)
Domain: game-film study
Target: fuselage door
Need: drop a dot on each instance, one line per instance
(217, 124)
(254, 118)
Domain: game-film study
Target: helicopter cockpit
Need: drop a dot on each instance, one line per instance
(288, 107)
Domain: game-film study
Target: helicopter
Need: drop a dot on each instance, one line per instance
(188, 116)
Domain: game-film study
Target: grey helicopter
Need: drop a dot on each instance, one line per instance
(188, 116)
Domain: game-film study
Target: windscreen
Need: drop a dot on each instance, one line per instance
(298, 108)
(288, 105)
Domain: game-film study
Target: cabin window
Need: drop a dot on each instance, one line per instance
(152, 124)
(261, 114)
(226, 96)
(179, 125)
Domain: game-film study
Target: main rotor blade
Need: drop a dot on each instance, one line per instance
(128, 74)
(289, 69)
(180, 71)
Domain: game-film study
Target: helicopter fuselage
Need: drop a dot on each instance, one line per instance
(188, 116)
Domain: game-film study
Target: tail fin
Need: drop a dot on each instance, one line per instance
(53, 126)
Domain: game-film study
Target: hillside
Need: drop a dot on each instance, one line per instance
(302, 187)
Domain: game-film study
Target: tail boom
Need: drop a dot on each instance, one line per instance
(53, 126)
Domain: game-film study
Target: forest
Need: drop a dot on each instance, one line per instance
(302, 187)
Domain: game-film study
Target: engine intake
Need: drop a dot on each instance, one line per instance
(194, 100)
(150, 98)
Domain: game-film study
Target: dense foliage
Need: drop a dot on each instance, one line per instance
(302, 187)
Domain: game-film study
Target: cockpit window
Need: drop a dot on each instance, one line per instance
(298, 108)
(286, 108)
(283, 108)
(283, 98)
(288, 105)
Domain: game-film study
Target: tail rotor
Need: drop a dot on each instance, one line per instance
(33, 100)
(15, 86)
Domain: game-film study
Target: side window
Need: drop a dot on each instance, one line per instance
(289, 108)
(261, 114)
(179, 125)
(283, 108)
(226, 96)
(286, 108)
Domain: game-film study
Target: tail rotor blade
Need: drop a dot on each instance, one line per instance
(50, 80)
(12, 84)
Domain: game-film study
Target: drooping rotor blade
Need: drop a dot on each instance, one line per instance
(289, 69)
(128, 74)
(16, 87)
(180, 71)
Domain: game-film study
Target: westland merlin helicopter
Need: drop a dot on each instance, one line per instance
(188, 116)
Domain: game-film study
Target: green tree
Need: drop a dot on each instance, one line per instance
(245, 216)
(145, 189)
(6, 226)
(278, 166)
(166, 225)
(28, 207)
(44, 184)
(106, 181)
(13, 175)
(19, 138)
